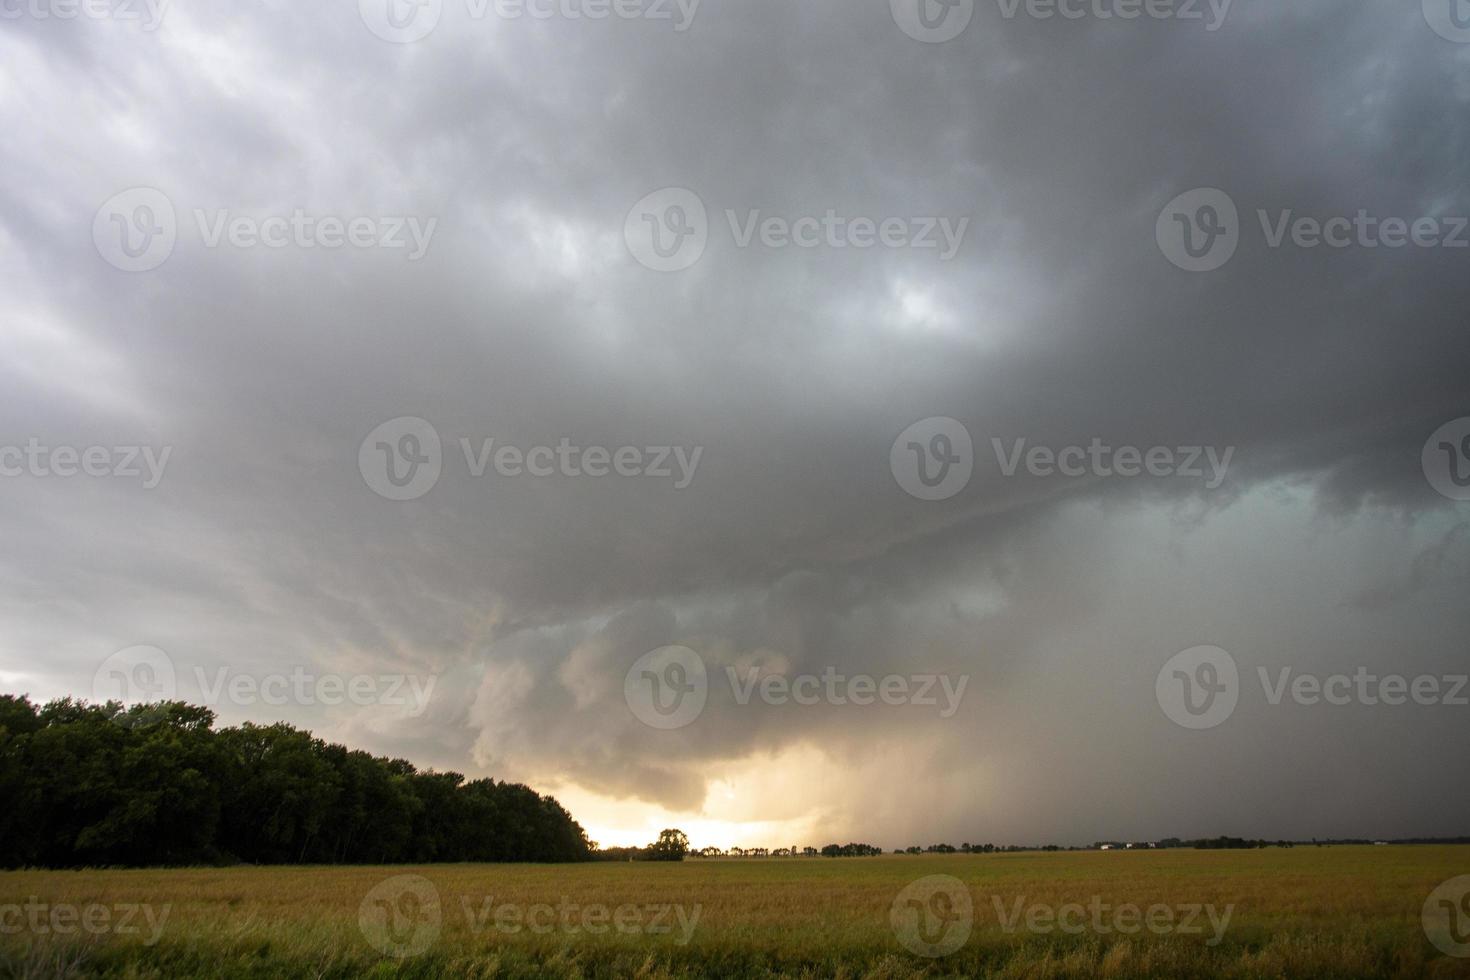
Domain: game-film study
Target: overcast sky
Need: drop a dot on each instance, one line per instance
(288, 267)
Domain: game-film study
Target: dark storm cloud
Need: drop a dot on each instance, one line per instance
(1058, 321)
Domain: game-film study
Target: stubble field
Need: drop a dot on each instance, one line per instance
(1302, 912)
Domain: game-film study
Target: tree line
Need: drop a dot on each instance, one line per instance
(103, 784)
(672, 845)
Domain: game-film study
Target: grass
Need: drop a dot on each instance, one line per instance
(1303, 912)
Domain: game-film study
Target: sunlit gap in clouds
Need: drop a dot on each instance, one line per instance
(765, 800)
(936, 309)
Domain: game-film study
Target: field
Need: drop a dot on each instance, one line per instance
(1302, 912)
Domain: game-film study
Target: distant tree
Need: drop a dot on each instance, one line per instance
(671, 845)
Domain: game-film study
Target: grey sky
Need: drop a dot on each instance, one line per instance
(528, 320)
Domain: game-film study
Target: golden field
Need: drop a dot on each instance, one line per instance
(1300, 912)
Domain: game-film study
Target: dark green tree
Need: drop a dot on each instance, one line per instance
(158, 785)
(671, 845)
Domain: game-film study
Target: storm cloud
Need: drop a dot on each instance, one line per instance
(264, 357)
